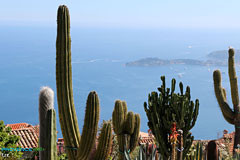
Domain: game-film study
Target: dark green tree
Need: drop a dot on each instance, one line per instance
(167, 107)
(8, 141)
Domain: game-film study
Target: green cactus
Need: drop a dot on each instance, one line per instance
(232, 116)
(126, 125)
(167, 107)
(105, 136)
(77, 146)
(47, 120)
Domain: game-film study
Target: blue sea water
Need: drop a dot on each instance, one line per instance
(27, 62)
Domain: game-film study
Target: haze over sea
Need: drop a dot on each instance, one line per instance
(28, 55)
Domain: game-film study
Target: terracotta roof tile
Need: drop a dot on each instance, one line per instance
(18, 125)
(28, 134)
(145, 138)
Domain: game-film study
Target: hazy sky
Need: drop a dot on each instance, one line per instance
(125, 13)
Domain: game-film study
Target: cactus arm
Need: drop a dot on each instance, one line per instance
(51, 148)
(233, 78)
(130, 123)
(195, 113)
(135, 136)
(67, 113)
(118, 117)
(220, 95)
(173, 86)
(105, 142)
(124, 105)
(90, 126)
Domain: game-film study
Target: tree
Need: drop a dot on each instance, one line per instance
(8, 141)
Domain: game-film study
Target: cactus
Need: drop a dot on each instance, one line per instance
(197, 152)
(167, 107)
(77, 146)
(126, 125)
(47, 119)
(232, 116)
(105, 136)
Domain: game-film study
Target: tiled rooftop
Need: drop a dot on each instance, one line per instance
(28, 134)
(18, 126)
(145, 138)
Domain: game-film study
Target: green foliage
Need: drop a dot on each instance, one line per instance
(167, 107)
(232, 116)
(8, 141)
(78, 146)
(63, 157)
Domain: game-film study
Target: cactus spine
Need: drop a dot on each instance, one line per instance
(47, 119)
(126, 125)
(232, 116)
(167, 107)
(78, 147)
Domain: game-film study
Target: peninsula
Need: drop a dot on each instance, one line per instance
(216, 58)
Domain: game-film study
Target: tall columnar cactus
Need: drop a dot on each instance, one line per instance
(47, 120)
(167, 107)
(126, 125)
(78, 147)
(232, 116)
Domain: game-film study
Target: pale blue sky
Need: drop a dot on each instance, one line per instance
(125, 13)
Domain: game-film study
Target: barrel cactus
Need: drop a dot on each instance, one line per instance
(126, 125)
(78, 146)
(232, 116)
(47, 120)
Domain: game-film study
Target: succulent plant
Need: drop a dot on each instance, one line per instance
(232, 116)
(126, 125)
(47, 120)
(167, 107)
(78, 146)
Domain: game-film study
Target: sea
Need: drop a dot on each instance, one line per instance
(28, 59)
